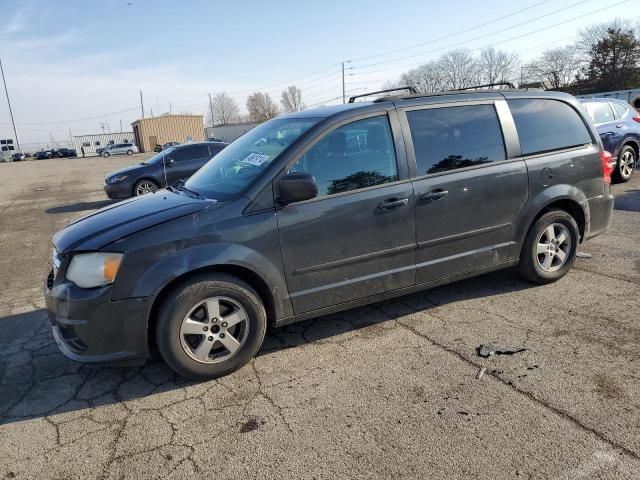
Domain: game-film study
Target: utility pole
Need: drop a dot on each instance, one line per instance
(141, 104)
(343, 95)
(211, 110)
(70, 139)
(120, 125)
(15, 133)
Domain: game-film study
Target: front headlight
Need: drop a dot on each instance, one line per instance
(118, 178)
(88, 270)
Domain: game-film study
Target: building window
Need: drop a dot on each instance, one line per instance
(97, 144)
(86, 144)
(126, 140)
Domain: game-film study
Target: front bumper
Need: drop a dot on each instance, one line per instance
(118, 191)
(89, 327)
(600, 211)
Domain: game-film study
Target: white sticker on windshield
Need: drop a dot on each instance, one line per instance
(256, 159)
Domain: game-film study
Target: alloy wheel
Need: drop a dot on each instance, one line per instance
(145, 187)
(627, 163)
(214, 330)
(553, 247)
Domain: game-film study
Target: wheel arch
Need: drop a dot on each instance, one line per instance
(146, 177)
(243, 273)
(633, 143)
(558, 197)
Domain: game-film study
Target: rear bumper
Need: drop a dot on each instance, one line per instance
(89, 327)
(600, 209)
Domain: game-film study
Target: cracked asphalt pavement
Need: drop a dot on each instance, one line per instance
(383, 391)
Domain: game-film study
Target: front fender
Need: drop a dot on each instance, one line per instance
(541, 201)
(211, 238)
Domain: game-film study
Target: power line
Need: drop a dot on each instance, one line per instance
(449, 35)
(498, 42)
(473, 39)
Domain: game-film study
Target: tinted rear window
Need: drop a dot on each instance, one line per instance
(455, 137)
(545, 125)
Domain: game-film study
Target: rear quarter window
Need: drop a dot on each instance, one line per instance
(546, 125)
(619, 110)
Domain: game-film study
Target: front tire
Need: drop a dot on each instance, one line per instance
(549, 249)
(105, 154)
(210, 326)
(144, 186)
(627, 159)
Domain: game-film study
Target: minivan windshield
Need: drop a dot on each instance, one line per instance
(235, 167)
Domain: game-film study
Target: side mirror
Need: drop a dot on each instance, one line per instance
(296, 187)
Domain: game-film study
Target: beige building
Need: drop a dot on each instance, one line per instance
(149, 132)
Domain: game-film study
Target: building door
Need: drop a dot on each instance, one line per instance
(153, 141)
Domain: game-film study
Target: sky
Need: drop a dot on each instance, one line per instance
(74, 66)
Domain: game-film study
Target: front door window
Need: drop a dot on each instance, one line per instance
(357, 155)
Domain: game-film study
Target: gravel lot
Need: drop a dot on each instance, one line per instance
(384, 391)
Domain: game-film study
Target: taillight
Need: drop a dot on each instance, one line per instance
(608, 164)
(636, 119)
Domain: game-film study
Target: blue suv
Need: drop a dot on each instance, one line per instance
(618, 125)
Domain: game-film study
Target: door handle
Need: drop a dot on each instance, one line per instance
(392, 203)
(606, 133)
(434, 195)
(620, 125)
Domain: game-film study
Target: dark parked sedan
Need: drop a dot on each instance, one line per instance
(618, 125)
(161, 170)
(43, 154)
(18, 157)
(66, 152)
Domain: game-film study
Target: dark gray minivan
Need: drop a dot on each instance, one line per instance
(324, 210)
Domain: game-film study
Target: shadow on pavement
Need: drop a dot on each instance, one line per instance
(80, 206)
(628, 201)
(37, 381)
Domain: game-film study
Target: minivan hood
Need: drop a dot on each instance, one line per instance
(117, 221)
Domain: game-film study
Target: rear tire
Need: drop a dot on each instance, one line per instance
(625, 165)
(193, 337)
(549, 249)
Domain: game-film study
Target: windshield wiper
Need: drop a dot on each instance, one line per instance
(192, 192)
(179, 187)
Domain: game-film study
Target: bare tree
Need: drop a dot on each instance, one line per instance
(590, 36)
(497, 65)
(556, 67)
(223, 109)
(261, 108)
(426, 78)
(292, 100)
(459, 69)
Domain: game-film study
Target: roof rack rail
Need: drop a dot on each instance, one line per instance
(408, 87)
(498, 84)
